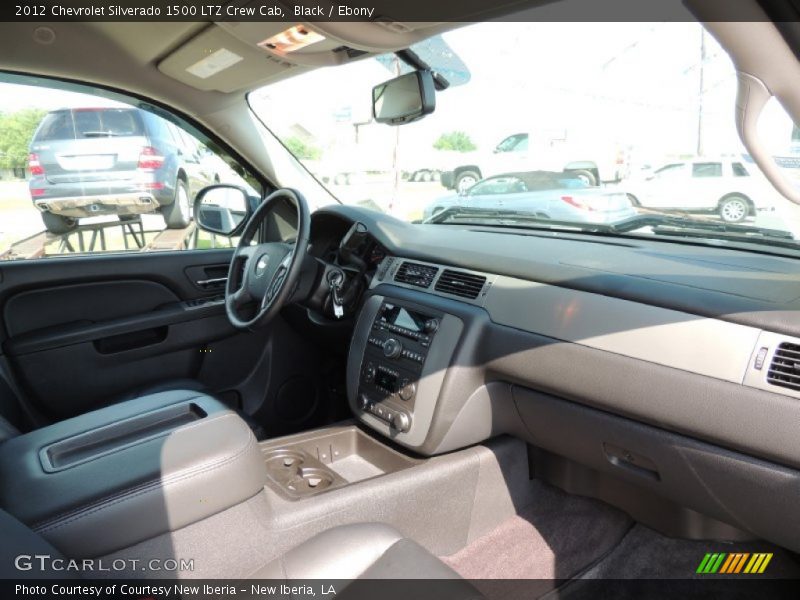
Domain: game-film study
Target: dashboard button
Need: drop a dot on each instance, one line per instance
(760, 358)
(369, 373)
(401, 422)
(392, 348)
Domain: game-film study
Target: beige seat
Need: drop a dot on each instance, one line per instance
(350, 555)
(361, 550)
(344, 555)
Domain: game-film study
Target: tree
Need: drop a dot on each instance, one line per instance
(301, 149)
(16, 132)
(455, 140)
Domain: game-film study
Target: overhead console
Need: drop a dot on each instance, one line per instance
(249, 43)
(241, 49)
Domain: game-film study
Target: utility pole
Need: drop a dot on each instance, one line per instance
(701, 91)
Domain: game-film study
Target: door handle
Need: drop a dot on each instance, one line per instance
(211, 283)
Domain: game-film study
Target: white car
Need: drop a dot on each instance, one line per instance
(543, 150)
(548, 195)
(722, 186)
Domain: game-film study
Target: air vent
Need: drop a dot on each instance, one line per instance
(461, 284)
(785, 368)
(384, 267)
(416, 274)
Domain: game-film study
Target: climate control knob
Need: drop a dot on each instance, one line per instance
(392, 348)
(401, 422)
(431, 325)
(407, 389)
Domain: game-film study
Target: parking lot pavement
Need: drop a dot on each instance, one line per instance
(20, 220)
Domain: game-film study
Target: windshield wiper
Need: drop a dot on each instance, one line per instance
(666, 225)
(496, 216)
(100, 134)
(670, 221)
(702, 228)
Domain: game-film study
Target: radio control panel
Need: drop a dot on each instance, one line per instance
(394, 357)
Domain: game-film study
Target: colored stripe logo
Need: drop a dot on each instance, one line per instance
(734, 563)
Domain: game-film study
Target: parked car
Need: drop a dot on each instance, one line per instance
(550, 151)
(123, 161)
(723, 186)
(550, 195)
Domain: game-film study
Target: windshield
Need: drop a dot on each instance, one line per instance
(535, 126)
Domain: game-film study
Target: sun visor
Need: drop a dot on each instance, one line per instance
(217, 61)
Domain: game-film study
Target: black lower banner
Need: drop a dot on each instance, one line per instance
(411, 589)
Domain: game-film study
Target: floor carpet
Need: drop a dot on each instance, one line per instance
(562, 546)
(555, 538)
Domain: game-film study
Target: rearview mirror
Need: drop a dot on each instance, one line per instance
(221, 209)
(404, 99)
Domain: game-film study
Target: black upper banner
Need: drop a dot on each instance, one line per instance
(394, 13)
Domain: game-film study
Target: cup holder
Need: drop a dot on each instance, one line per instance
(310, 480)
(284, 464)
(298, 473)
(325, 460)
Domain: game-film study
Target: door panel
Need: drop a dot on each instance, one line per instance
(74, 379)
(81, 332)
(47, 307)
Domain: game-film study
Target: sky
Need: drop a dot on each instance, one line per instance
(15, 97)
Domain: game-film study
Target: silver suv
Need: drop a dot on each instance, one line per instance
(125, 161)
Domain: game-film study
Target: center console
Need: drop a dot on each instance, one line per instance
(116, 476)
(397, 348)
(401, 352)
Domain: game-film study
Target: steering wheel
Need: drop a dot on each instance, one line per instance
(266, 273)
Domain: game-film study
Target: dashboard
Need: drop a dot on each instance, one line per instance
(668, 366)
(327, 233)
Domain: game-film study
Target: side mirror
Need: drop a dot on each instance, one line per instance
(222, 209)
(404, 99)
